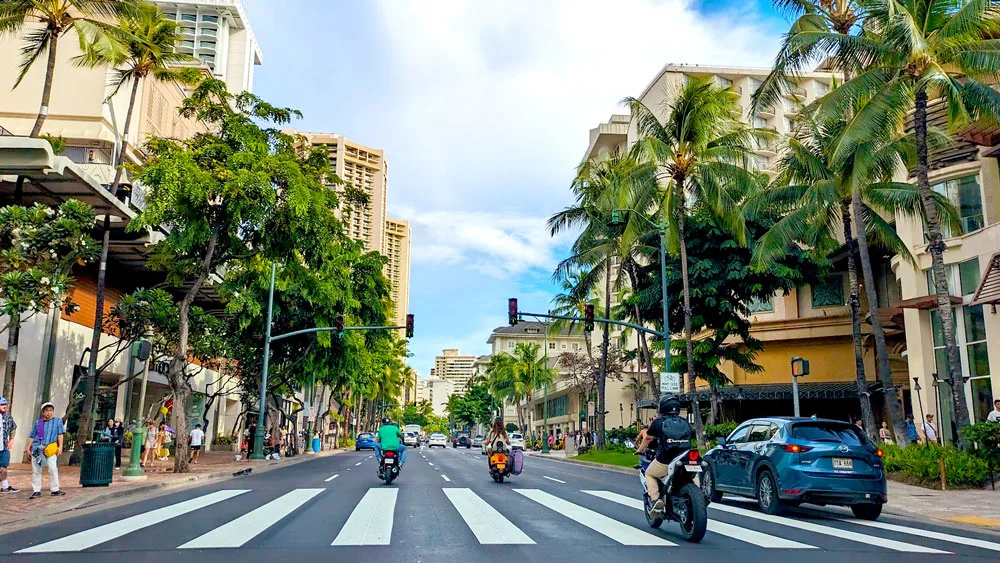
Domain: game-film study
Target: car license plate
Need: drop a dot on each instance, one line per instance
(843, 463)
(693, 468)
(389, 461)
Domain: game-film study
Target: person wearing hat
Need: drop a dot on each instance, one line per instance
(45, 443)
(7, 430)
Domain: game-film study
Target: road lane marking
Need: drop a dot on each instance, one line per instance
(328, 479)
(357, 464)
(621, 533)
(95, 536)
(370, 523)
(245, 528)
(488, 525)
(430, 463)
(553, 479)
(721, 528)
(827, 530)
(445, 477)
(926, 534)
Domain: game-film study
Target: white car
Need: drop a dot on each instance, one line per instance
(516, 441)
(437, 440)
(410, 439)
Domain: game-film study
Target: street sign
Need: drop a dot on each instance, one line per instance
(590, 408)
(670, 382)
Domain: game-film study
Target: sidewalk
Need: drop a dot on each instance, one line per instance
(16, 510)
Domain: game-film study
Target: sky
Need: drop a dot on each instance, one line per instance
(483, 109)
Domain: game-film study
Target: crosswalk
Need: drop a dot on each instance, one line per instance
(528, 521)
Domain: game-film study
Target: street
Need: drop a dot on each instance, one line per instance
(444, 507)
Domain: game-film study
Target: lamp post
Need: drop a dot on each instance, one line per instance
(545, 393)
(621, 414)
(920, 401)
(258, 443)
(800, 367)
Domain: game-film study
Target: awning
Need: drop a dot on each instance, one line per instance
(925, 302)
(52, 179)
(988, 292)
(783, 391)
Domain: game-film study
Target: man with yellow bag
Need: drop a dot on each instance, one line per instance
(45, 443)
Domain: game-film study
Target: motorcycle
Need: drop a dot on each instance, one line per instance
(388, 468)
(683, 500)
(501, 463)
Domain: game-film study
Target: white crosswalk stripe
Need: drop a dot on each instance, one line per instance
(827, 530)
(488, 525)
(370, 522)
(117, 529)
(243, 529)
(930, 534)
(743, 534)
(621, 533)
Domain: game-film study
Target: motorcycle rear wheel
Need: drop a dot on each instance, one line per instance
(388, 476)
(694, 517)
(647, 504)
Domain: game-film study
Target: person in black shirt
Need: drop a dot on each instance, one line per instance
(673, 436)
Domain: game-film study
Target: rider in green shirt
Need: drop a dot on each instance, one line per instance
(390, 438)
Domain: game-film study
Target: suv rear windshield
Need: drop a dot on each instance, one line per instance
(828, 432)
(364, 436)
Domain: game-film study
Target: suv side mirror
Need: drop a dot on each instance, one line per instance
(721, 441)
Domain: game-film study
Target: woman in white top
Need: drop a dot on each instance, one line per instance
(497, 433)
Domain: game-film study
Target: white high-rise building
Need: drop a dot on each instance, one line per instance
(218, 33)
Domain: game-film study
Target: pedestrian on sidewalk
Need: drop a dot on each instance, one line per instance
(994, 415)
(911, 429)
(197, 437)
(930, 432)
(119, 440)
(885, 434)
(45, 444)
(150, 445)
(7, 431)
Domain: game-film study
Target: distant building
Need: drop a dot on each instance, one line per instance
(437, 391)
(455, 367)
(396, 247)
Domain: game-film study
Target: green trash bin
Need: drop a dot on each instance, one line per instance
(98, 465)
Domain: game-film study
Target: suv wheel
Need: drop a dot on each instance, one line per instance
(708, 485)
(866, 511)
(767, 493)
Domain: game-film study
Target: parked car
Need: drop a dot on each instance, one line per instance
(461, 439)
(365, 441)
(516, 441)
(784, 462)
(437, 440)
(477, 442)
(410, 439)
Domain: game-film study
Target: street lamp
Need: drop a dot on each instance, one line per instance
(800, 368)
(920, 401)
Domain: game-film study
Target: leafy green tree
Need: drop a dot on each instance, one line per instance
(700, 151)
(40, 246)
(43, 23)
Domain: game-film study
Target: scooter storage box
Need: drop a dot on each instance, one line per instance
(518, 457)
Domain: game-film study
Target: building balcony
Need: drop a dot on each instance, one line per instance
(766, 113)
(796, 93)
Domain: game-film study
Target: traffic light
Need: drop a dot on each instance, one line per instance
(409, 326)
(512, 311)
(588, 318)
(338, 324)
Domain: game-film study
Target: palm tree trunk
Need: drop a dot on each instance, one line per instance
(699, 426)
(602, 379)
(120, 163)
(864, 396)
(50, 71)
(892, 406)
(10, 366)
(936, 247)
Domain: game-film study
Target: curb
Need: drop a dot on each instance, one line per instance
(67, 511)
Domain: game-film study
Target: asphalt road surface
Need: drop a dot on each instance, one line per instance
(445, 508)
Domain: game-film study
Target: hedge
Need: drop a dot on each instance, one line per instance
(919, 464)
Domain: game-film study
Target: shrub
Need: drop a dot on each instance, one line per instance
(985, 440)
(713, 431)
(919, 463)
(127, 439)
(222, 441)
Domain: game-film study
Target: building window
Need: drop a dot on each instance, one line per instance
(970, 330)
(208, 32)
(188, 44)
(552, 345)
(759, 122)
(757, 305)
(576, 346)
(791, 125)
(206, 44)
(563, 346)
(830, 293)
(965, 194)
(963, 276)
(189, 18)
(210, 59)
(510, 345)
(723, 82)
(209, 19)
(187, 30)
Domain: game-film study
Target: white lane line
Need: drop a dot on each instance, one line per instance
(331, 478)
(430, 463)
(553, 479)
(445, 477)
(370, 522)
(827, 530)
(621, 533)
(357, 464)
(722, 528)
(95, 536)
(245, 528)
(926, 534)
(488, 525)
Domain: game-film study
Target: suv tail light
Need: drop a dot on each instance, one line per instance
(879, 453)
(795, 448)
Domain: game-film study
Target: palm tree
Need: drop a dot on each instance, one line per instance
(701, 152)
(815, 191)
(501, 378)
(44, 22)
(638, 386)
(572, 302)
(919, 51)
(141, 45)
(530, 370)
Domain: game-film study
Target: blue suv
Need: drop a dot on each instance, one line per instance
(788, 461)
(365, 441)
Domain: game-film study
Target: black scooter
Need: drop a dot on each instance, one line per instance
(683, 500)
(388, 468)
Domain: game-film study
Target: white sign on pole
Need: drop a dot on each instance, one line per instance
(590, 408)
(311, 412)
(670, 382)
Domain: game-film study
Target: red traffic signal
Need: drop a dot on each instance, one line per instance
(409, 326)
(588, 318)
(338, 324)
(512, 311)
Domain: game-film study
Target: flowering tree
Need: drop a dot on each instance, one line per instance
(41, 245)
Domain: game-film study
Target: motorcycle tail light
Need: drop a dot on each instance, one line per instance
(693, 455)
(390, 454)
(501, 458)
(795, 448)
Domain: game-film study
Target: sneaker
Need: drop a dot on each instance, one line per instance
(35, 495)
(8, 490)
(58, 494)
(658, 505)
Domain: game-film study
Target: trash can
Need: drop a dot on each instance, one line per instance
(315, 445)
(98, 465)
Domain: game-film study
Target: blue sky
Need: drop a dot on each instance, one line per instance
(483, 109)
